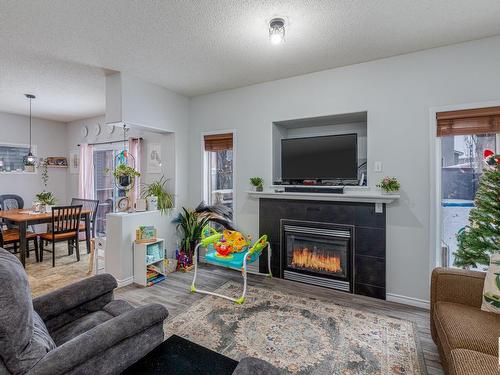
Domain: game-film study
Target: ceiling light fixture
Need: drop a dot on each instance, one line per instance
(277, 31)
(30, 159)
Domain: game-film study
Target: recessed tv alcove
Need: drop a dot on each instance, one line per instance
(349, 129)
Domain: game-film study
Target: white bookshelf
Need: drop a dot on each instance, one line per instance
(143, 259)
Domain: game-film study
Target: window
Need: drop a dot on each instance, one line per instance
(464, 135)
(12, 158)
(218, 171)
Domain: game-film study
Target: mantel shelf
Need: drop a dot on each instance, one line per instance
(348, 196)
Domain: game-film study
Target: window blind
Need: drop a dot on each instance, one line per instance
(468, 121)
(218, 142)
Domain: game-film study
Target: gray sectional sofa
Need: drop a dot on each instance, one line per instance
(79, 329)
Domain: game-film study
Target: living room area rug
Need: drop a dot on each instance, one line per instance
(303, 335)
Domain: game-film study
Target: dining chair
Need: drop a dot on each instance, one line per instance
(10, 202)
(91, 205)
(64, 227)
(11, 237)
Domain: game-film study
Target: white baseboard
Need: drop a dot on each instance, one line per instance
(125, 282)
(408, 301)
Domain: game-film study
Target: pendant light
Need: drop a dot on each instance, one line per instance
(30, 159)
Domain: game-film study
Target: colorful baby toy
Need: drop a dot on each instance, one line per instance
(230, 249)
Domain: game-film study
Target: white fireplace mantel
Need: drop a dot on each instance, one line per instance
(361, 195)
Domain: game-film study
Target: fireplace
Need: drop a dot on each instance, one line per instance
(317, 253)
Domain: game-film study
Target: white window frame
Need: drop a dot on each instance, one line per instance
(435, 175)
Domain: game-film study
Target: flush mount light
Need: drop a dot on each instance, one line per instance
(277, 31)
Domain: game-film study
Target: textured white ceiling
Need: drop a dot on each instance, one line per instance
(195, 47)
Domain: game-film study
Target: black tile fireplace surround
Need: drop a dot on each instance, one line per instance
(359, 264)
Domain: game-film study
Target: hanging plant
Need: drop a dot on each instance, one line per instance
(124, 174)
(44, 172)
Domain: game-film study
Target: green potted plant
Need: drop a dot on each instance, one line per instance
(389, 185)
(124, 174)
(189, 227)
(45, 200)
(257, 182)
(164, 200)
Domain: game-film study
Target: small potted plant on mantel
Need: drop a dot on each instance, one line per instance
(389, 185)
(258, 183)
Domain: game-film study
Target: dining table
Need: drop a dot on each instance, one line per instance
(23, 218)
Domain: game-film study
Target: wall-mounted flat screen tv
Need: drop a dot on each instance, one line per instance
(332, 157)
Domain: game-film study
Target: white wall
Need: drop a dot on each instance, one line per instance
(50, 140)
(397, 94)
(153, 108)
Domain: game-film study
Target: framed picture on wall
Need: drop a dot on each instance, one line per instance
(74, 161)
(154, 158)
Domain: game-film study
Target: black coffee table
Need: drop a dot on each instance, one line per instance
(178, 356)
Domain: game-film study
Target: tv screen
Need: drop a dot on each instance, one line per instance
(332, 157)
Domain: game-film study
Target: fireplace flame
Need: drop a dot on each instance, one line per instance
(314, 260)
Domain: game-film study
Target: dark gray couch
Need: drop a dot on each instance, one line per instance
(78, 329)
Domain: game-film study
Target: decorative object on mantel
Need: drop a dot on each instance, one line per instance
(30, 159)
(154, 158)
(257, 182)
(481, 237)
(389, 185)
(145, 234)
(157, 196)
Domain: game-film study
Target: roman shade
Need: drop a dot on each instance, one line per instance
(218, 142)
(468, 121)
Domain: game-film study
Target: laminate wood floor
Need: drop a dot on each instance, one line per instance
(174, 294)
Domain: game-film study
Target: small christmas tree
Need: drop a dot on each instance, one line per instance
(482, 236)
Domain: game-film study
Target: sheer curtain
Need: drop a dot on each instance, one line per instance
(134, 147)
(86, 172)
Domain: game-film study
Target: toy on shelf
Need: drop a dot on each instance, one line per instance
(230, 249)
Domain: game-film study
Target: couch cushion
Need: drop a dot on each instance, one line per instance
(465, 327)
(23, 336)
(469, 362)
(89, 321)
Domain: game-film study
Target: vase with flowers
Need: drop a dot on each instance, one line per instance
(389, 185)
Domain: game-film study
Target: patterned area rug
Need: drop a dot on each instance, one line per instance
(300, 334)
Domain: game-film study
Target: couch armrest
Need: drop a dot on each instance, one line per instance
(66, 298)
(98, 339)
(255, 366)
(457, 286)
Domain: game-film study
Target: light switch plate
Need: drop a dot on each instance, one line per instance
(377, 166)
(379, 208)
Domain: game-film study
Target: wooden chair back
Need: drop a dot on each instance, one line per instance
(66, 219)
(88, 204)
